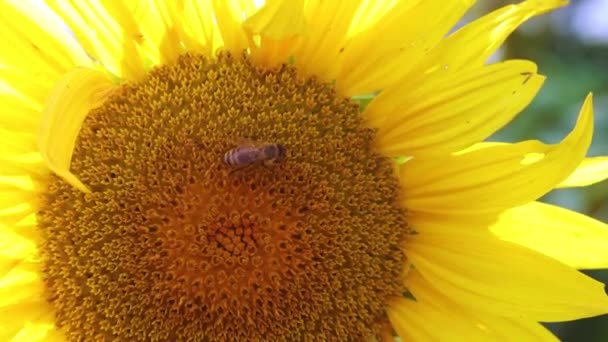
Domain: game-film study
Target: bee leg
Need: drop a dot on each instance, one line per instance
(239, 168)
(267, 165)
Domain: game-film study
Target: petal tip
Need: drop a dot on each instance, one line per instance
(74, 95)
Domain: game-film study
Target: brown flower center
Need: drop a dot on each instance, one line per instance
(175, 245)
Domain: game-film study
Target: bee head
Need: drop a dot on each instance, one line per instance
(278, 151)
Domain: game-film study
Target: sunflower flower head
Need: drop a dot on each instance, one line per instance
(201, 250)
(203, 171)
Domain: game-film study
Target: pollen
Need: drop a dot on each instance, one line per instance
(174, 245)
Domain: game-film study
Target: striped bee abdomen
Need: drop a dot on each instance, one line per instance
(242, 156)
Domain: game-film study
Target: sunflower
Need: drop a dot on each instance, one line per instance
(143, 198)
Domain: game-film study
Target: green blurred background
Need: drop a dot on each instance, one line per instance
(570, 47)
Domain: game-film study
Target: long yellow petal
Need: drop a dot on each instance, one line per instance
(26, 165)
(472, 45)
(14, 198)
(417, 320)
(229, 21)
(25, 314)
(590, 171)
(21, 284)
(278, 19)
(14, 215)
(18, 115)
(318, 52)
(154, 25)
(572, 238)
(78, 92)
(22, 173)
(38, 331)
(98, 32)
(477, 270)
(35, 42)
(198, 31)
(131, 37)
(14, 143)
(22, 87)
(370, 12)
(496, 178)
(278, 25)
(399, 41)
(481, 146)
(25, 229)
(14, 247)
(30, 320)
(447, 114)
(53, 334)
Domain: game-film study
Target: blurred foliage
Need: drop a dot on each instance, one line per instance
(573, 68)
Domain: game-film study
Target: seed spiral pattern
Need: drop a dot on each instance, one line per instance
(172, 246)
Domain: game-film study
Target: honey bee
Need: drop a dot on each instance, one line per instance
(250, 153)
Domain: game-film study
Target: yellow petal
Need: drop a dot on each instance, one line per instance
(54, 334)
(154, 25)
(130, 37)
(278, 26)
(27, 165)
(7, 264)
(78, 91)
(447, 114)
(30, 91)
(229, 19)
(38, 331)
(29, 237)
(481, 146)
(496, 178)
(35, 42)
(14, 215)
(472, 45)
(198, 31)
(278, 19)
(100, 34)
(317, 53)
(21, 169)
(271, 53)
(590, 171)
(417, 320)
(30, 320)
(16, 143)
(572, 238)
(20, 284)
(13, 245)
(400, 39)
(480, 272)
(420, 319)
(18, 115)
(370, 12)
(11, 199)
